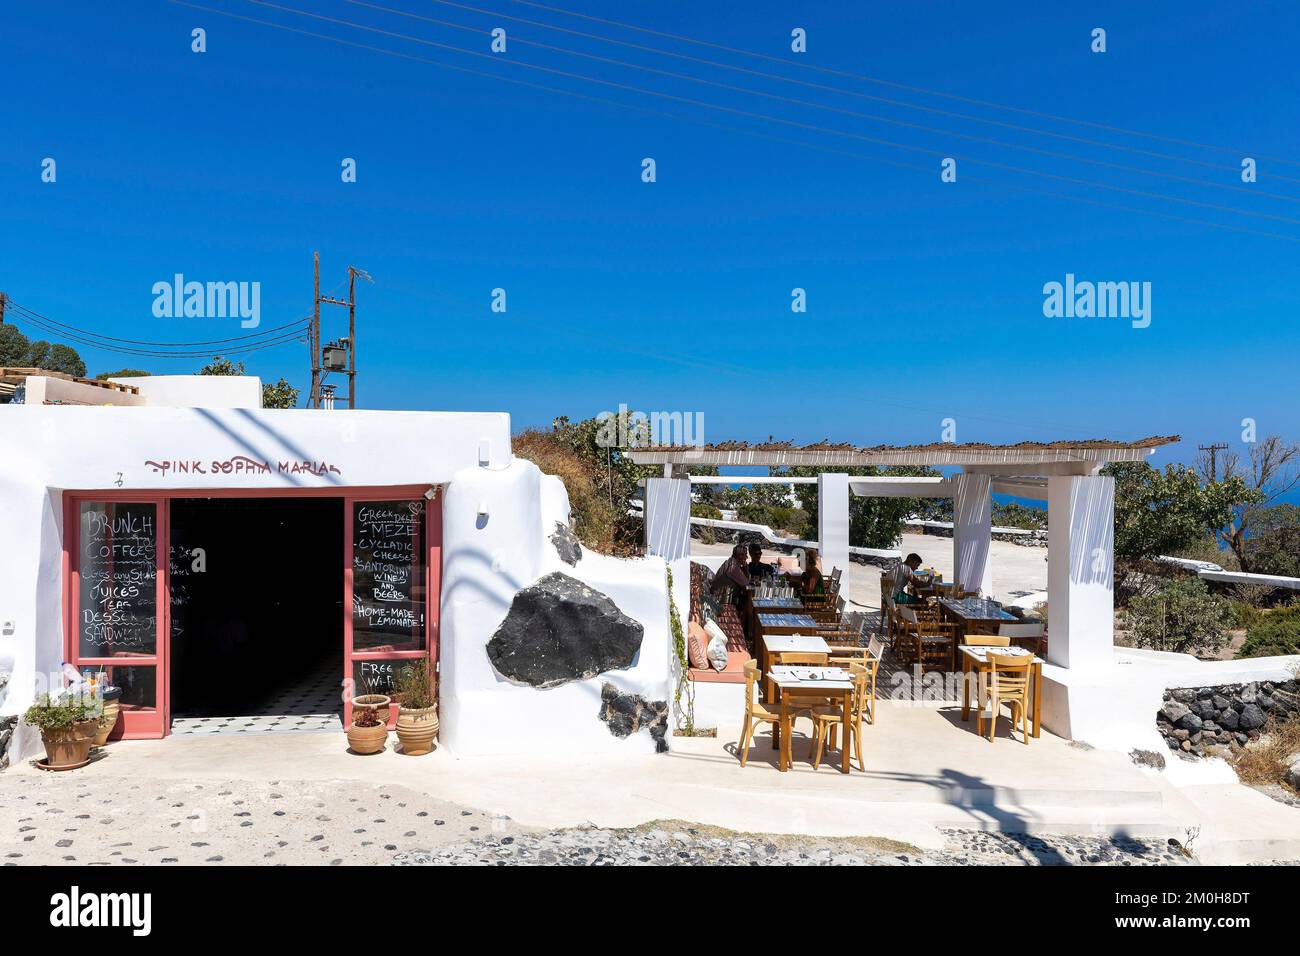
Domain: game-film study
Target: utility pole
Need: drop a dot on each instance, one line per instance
(313, 335)
(318, 371)
(3, 299)
(1214, 450)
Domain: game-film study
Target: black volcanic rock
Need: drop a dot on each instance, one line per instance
(566, 544)
(627, 713)
(559, 630)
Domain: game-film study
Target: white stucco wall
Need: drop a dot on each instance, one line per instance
(485, 561)
(198, 391)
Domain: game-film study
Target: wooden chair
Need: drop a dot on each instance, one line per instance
(925, 640)
(1032, 636)
(755, 712)
(960, 594)
(827, 719)
(800, 659)
(986, 640)
(1006, 682)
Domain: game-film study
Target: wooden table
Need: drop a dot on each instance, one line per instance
(770, 644)
(793, 685)
(977, 615)
(976, 659)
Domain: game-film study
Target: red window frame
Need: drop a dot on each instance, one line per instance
(154, 722)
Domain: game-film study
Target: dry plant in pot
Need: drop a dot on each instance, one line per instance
(67, 724)
(368, 732)
(417, 711)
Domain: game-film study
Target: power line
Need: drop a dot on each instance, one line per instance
(871, 117)
(33, 319)
(901, 86)
(88, 332)
(803, 144)
(854, 93)
(1005, 167)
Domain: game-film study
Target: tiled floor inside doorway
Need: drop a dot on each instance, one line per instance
(312, 705)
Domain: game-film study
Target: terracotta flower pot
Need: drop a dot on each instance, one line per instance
(376, 701)
(417, 729)
(106, 723)
(69, 746)
(368, 740)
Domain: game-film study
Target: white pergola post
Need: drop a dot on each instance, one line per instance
(972, 532)
(1080, 570)
(668, 517)
(833, 525)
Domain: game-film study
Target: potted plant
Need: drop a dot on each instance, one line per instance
(368, 733)
(112, 698)
(417, 710)
(67, 724)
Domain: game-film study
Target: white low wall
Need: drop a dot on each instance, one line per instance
(1114, 707)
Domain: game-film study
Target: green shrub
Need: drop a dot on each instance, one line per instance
(59, 713)
(1277, 633)
(1179, 615)
(699, 510)
(1245, 615)
(776, 517)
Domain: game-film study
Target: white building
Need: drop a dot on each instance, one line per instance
(212, 554)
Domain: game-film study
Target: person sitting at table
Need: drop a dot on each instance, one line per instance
(731, 579)
(812, 581)
(905, 576)
(756, 568)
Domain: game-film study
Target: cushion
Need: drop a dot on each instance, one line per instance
(697, 642)
(717, 647)
(789, 563)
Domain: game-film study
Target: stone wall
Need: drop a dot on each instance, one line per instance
(1198, 720)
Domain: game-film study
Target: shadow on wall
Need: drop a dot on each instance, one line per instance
(1092, 543)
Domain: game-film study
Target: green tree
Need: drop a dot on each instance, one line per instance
(1271, 472)
(122, 373)
(222, 366)
(1275, 551)
(14, 347)
(17, 351)
(64, 358)
(1161, 512)
(279, 395)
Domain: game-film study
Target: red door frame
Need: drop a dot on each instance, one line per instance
(156, 722)
(432, 590)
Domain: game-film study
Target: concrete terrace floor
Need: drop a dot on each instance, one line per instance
(927, 773)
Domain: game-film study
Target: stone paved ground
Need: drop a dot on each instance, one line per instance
(690, 845)
(72, 819)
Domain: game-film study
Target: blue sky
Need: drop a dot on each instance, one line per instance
(924, 298)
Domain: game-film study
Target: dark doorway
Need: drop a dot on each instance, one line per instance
(256, 613)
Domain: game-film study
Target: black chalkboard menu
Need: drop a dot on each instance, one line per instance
(118, 576)
(388, 575)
